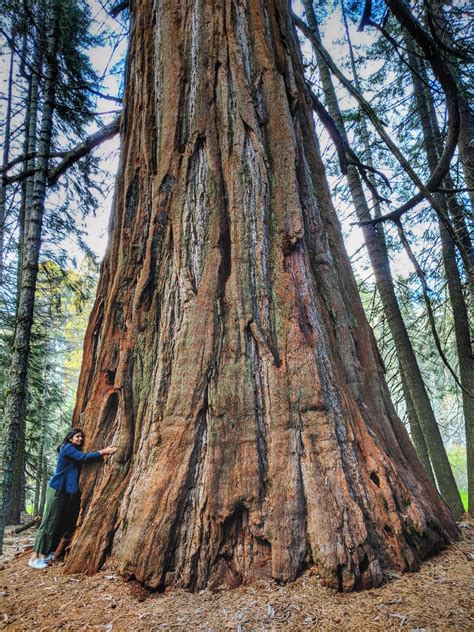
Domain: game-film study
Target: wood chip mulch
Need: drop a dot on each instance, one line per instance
(439, 597)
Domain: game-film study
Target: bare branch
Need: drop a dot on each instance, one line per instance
(429, 308)
(68, 157)
(118, 8)
(103, 134)
(345, 153)
(331, 128)
(461, 190)
(98, 93)
(24, 158)
(449, 88)
(19, 176)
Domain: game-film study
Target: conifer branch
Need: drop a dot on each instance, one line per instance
(69, 157)
(83, 148)
(449, 88)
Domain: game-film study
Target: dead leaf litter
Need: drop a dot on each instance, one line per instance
(439, 597)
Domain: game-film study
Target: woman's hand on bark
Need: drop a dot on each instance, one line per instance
(110, 449)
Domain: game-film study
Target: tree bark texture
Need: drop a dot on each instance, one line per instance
(228, 356)
(17, 494)
(374, 239)
(30, 143)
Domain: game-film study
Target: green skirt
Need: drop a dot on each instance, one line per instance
(54, 507)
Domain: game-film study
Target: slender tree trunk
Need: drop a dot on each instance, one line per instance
(38, 481)
(415, 429)
(22, 209)
(16, 393)
(413, 422)
(17, 496)
(40, 460)
(39, 478)
(17, 502)
(30, 144)
(377, 251)
(44, 486)
(464, 352)
(431, 139)
(5, 158)
(228, 356)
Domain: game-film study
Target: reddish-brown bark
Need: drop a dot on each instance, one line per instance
(227, 355)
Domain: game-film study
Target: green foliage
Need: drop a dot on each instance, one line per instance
(75, 101)
(63, 303)
(63, 296)
(458, 458)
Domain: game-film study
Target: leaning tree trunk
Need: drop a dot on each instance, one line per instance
(431, 141)
(227, 355)
(41, 443)
(416, 431)
(374, 238)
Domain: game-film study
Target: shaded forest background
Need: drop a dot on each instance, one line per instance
(385, 121)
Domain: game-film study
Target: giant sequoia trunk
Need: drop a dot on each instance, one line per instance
(227, 355)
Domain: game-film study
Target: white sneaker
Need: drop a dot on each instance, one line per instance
(49, 558)
(38, 564)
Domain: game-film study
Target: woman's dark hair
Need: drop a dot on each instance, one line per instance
(69, 436)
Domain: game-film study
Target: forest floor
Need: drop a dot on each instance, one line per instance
(439, 597)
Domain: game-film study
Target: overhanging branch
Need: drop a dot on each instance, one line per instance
(69, 157)
(105, 133)
(345, 153)
(434, 30)
(24, 158)
(118, 8)
(425, 190)
(448, 84)
(452, 135)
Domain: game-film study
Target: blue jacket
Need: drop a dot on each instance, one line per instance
(66, 476)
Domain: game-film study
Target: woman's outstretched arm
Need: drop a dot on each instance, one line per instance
(73, 453)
